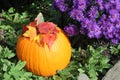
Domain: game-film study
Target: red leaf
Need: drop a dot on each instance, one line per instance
(31, 32)
(24, 29)
(46, 27)
(48, 39)
(33, 24)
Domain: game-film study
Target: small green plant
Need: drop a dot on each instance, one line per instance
(96, 62)
(10, 26)
(115, 50)
(8, 36)
(12, 16)
(10, 68)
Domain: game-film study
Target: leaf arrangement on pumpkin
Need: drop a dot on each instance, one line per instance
(44, 47)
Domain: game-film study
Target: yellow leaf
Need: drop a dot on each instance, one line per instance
(31, 32)
(37, 38)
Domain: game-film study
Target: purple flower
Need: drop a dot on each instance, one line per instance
(117, 33)
(58, 1)
(102, 22)
(63, 7)
(94, 31)
(79, 16)
(83, 30)
(93, 12)
(110, 34)
(71, 30)
(75, 4)
(104, 17)
(117, 24)
(112, 1)
(91, 34)
(81, 5)
(107, 5)
(115, 40)
(114, 15)
(110, 27)
(88, 2)
(100, 3)
(94, 18)
(76, 14)
(106, 35)
(117, 3)
(86, 23)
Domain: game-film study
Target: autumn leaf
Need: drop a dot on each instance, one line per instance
(44, 33)
(49, 33)
(31, 32)
(33, 24)
(48, 39)
(37, 38)
(24, 29)
(47, 27)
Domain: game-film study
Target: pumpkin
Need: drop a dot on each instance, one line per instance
(44, 47)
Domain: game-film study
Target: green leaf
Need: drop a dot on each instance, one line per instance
(73, 50)
(24, 15)
(5, 61)
(8, 53)
(41, 78)
(16, 17)
(1, 49)
(7, 76)
(100, 49)
(114, 50)
(56, 77)
(93, 74)
(91, 49)
(81, 70)
(5, 67)
(104, 63)
(28, 74)
(19, 65)
(118, 47)
(11, 10)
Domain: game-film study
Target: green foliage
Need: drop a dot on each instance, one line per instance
(11, 16)
(17, 73)
(96, 62)
(115, 50)
(9, 69)
(11, 25)
(8, 35)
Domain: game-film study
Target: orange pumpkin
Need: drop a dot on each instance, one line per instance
(44, 58)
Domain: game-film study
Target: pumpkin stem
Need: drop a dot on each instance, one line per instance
(39, 18)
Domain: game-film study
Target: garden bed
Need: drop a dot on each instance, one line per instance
(91, 56)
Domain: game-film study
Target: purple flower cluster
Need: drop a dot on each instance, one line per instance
(71, 30)
(61, 5)
(97, 18)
